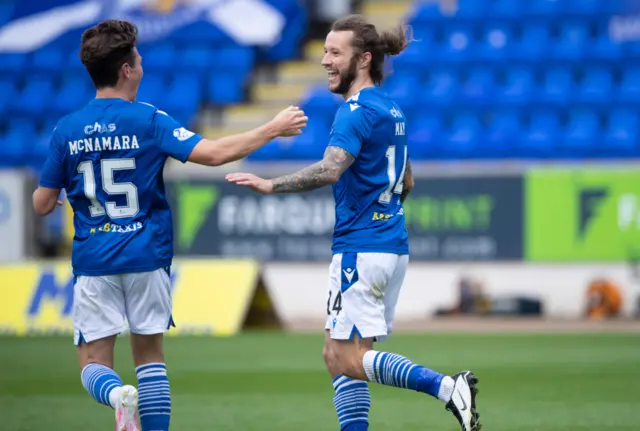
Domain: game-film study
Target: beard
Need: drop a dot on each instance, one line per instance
(346, 78)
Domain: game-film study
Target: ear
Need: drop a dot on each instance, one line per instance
(365, 60)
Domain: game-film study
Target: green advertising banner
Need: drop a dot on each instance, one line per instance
(582, 215)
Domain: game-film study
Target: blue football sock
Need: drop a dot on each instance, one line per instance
(394, 370)
(154, 397)
(99, 381)
(352, 402)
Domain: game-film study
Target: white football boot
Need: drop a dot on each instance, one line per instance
(463, 401)
(127, 409)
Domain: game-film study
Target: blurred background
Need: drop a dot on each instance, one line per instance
(523, 123)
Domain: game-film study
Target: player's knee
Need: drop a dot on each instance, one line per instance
(147, 349)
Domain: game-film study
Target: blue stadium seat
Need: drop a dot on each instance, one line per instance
(463, 137)
(478, 88)
(76, 91)
(425, 13)
(557, 87)
(622, 133)
(596, 86)
(503, 9)
(426, 135)
(603, 48)
(496, 43)
(543, 7)
(7, 94)
(572, 42)
(12, 63)
(629, 88)
(197, 57)
(225, 88)
(416, 55)
(457, 45)
(14, 144)
(517, 88)
(470, 9)
(6, 11)
(403, 88)
(159, 56)
(183, 96)
(503, 133)
(533, 43)
(441, 88)
(35, 98)
(541, 135)
(238, 59)
(581, 133)
(153, 88)
(48, 59)
(587, 7)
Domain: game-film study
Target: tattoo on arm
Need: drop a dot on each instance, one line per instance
(408, 174)
(327, 171)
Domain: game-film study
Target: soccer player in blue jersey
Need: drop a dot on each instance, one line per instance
(367, 163)
(109, 157)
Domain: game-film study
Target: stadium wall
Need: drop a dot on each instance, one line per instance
(220, 297)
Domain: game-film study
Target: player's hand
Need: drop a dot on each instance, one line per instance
(290, 121)
(255, 183)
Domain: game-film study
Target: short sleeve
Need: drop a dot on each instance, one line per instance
(351, 128)
(175, 141)
(52, 175)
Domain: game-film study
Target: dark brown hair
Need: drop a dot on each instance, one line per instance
(367, 39)
(105, 48)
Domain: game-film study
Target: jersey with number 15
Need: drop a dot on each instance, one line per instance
(109, 157)
(369, 214)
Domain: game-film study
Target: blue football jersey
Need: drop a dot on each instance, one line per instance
(109, 157)
(369, 214)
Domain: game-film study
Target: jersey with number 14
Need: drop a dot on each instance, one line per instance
(369, 214)
(109, 157)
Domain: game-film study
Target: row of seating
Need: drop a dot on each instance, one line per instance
(431, 10)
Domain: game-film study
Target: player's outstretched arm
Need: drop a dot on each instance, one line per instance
(45, 200)
(327, 171)
(288, 122)
(408, 182)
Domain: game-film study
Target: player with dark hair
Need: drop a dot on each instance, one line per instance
(367, 163)
(109, 157)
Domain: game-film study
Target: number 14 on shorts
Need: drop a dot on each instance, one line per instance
(337, 303)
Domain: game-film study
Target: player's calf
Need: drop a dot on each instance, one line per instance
(154, 392)
(97, 374)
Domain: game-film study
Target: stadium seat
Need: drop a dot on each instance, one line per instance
(541, 135)
(503, 9)
(403, 89)
(48, 59)
(158, 57)
(7, 94)
(225, 88)
(457, 45)
(539, 8)
(442, 88)
(182, 97)
(470, 9)
(11, 63)
(426, 135)
(581, 134)
(152, 88)
(629, 88)
(496, 43)
(557, 86)
(423, 12)
(517, 88)
(238, 59)
(596, 86)
(622, 133)
(197, 58)
(502, 134)
(603, 47)
(478, 87)
(587, 7)
(572, 41)
(533, 43)
(462, 139)
(35, 97)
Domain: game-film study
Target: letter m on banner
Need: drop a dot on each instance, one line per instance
(48, 289)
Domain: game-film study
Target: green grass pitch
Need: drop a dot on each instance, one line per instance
(273, 381)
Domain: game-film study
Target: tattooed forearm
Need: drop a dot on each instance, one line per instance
(408, 182)
(327, 171)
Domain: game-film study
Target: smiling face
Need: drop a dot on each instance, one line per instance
(340, 61)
